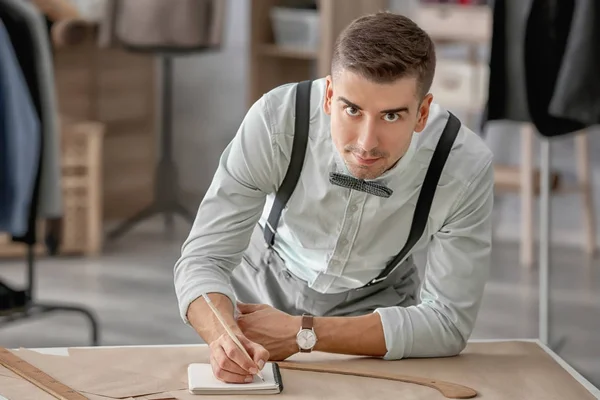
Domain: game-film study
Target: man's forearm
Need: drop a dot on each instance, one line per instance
(361, 335)
(204, 320)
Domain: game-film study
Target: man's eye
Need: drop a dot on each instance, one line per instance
(391, 117)
(352, 111)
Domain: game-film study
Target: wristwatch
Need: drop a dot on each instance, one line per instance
(306, 337)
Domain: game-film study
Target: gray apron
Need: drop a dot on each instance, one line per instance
(263, 278)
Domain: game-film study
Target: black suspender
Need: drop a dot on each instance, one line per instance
(436, 165)
(426, 195)
(297, 159)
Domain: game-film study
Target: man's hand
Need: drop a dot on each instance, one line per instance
(273, 329)
(230, 364)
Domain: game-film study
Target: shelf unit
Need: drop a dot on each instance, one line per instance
(272, 65)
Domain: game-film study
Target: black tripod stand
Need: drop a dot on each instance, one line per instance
(166, 197)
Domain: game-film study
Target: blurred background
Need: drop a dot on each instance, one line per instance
(114, 114)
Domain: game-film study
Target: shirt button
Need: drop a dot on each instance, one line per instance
(335, 263)
(344, 242)
(353, 208)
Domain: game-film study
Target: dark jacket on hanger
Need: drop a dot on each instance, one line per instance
(543, 64)
(19, 142)
(163, 26)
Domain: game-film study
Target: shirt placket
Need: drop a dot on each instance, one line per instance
(339, 258)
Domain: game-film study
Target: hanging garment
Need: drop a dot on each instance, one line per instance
(543, 63)
(163, 26)
(27, 29)
(577, 92)
(50, 202)
(19, 142)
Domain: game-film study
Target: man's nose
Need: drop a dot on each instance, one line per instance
(367, 140)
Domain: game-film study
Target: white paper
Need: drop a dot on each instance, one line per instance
(201, 379)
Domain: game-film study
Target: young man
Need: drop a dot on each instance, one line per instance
(314, 250)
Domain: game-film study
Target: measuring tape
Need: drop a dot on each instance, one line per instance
(38, 377)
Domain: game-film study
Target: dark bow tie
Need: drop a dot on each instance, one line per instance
(351, 182)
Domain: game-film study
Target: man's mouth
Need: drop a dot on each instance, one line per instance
(365, 161)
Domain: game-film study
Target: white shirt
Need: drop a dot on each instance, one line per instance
(335, 238)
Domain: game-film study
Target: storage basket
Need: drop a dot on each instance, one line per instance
(295, 28)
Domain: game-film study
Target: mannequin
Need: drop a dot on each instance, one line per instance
(57, 10)
(165, 29)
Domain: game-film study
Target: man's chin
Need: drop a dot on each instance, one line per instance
(364, 172)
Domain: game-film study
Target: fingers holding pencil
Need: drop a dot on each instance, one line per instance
(229, 362)
(258, 353)
(235, 358)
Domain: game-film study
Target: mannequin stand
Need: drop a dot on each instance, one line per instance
(166, 197)
(545, 214)
(544, 250)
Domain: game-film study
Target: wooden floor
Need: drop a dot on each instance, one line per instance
(130, 288)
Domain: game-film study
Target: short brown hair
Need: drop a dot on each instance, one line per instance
(384, 47)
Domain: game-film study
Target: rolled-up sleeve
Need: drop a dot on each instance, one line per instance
(228, 212)
(458, 263)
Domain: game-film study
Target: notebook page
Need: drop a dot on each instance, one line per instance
(201, 376)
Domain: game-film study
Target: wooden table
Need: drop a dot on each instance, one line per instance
(496, 369)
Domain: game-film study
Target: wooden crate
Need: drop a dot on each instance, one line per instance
(82, 150)
(81, 181)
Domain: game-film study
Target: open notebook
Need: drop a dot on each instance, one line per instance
(201, 380)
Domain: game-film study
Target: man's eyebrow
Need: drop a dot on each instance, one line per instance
(396, 110)
(348, 102)
(389, 111)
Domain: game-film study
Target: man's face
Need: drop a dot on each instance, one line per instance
(372, 123)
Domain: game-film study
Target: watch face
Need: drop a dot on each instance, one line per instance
(306, 339)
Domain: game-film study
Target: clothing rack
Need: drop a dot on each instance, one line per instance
(29, 27)
(25, 306)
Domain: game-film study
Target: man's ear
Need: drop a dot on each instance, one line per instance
(328, 95)
(423, 113)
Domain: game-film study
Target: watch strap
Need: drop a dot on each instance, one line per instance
(307, 321)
